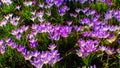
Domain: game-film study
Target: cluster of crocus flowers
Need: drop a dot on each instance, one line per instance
(108, 50)
(112, 14)
(86, 47)
(14, 20)
(18, 32)
(97, 28)
(56, 2)
(39, 58)
(46, 57)
(2, 47)
(54, 32)
(109, 2)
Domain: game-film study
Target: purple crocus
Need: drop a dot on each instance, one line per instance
(109, 14)
(102, 48)
(58, 2)
(37, 63)
(52, 47)
(55, 57)
(2, 47)
(82, 1)
(21, 49)
(14, 21)
(109, 51)
(28, 55)
(35, 53)
(65, 31)
(69, 22)
(85, 21)
(92, 66)
(54, 36)
(40, 14)
(73, 15)
(76, 28)
(41, 5)
(90, 12)
(62, 10)
(18, 36)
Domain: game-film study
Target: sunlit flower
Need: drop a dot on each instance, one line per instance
(28, 3)
(3, 23)
(8, 2)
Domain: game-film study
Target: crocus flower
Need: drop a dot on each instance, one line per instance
(18, 7)
(8, 2)
(94, 66)
(14, 20)
(2, 47)
(33, 1)
(41, 20)
(109, 14)
(37, 63)
(27, 55)
(85, 21)
(109, 2)
(85, 9)
(58, 2)
(49, 1)
(77, 28)
(52, 47)
(35, 53)
(28, 3)
(48, 13)
(24, 28)
(3, 23)
(21, 49)
(118, 17)
(54, 36)
(118, 50)
(65, 31)
(33, 13)
(90, 12)
(69, 22)
(18, 36)
(40, 14)
(78, 10)
(55, 57)
(109, 51)
(102, 48)
(41, 5)
(8, 16)
(62, 10)
(82, 1)
(33, 18)
(73, 15)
